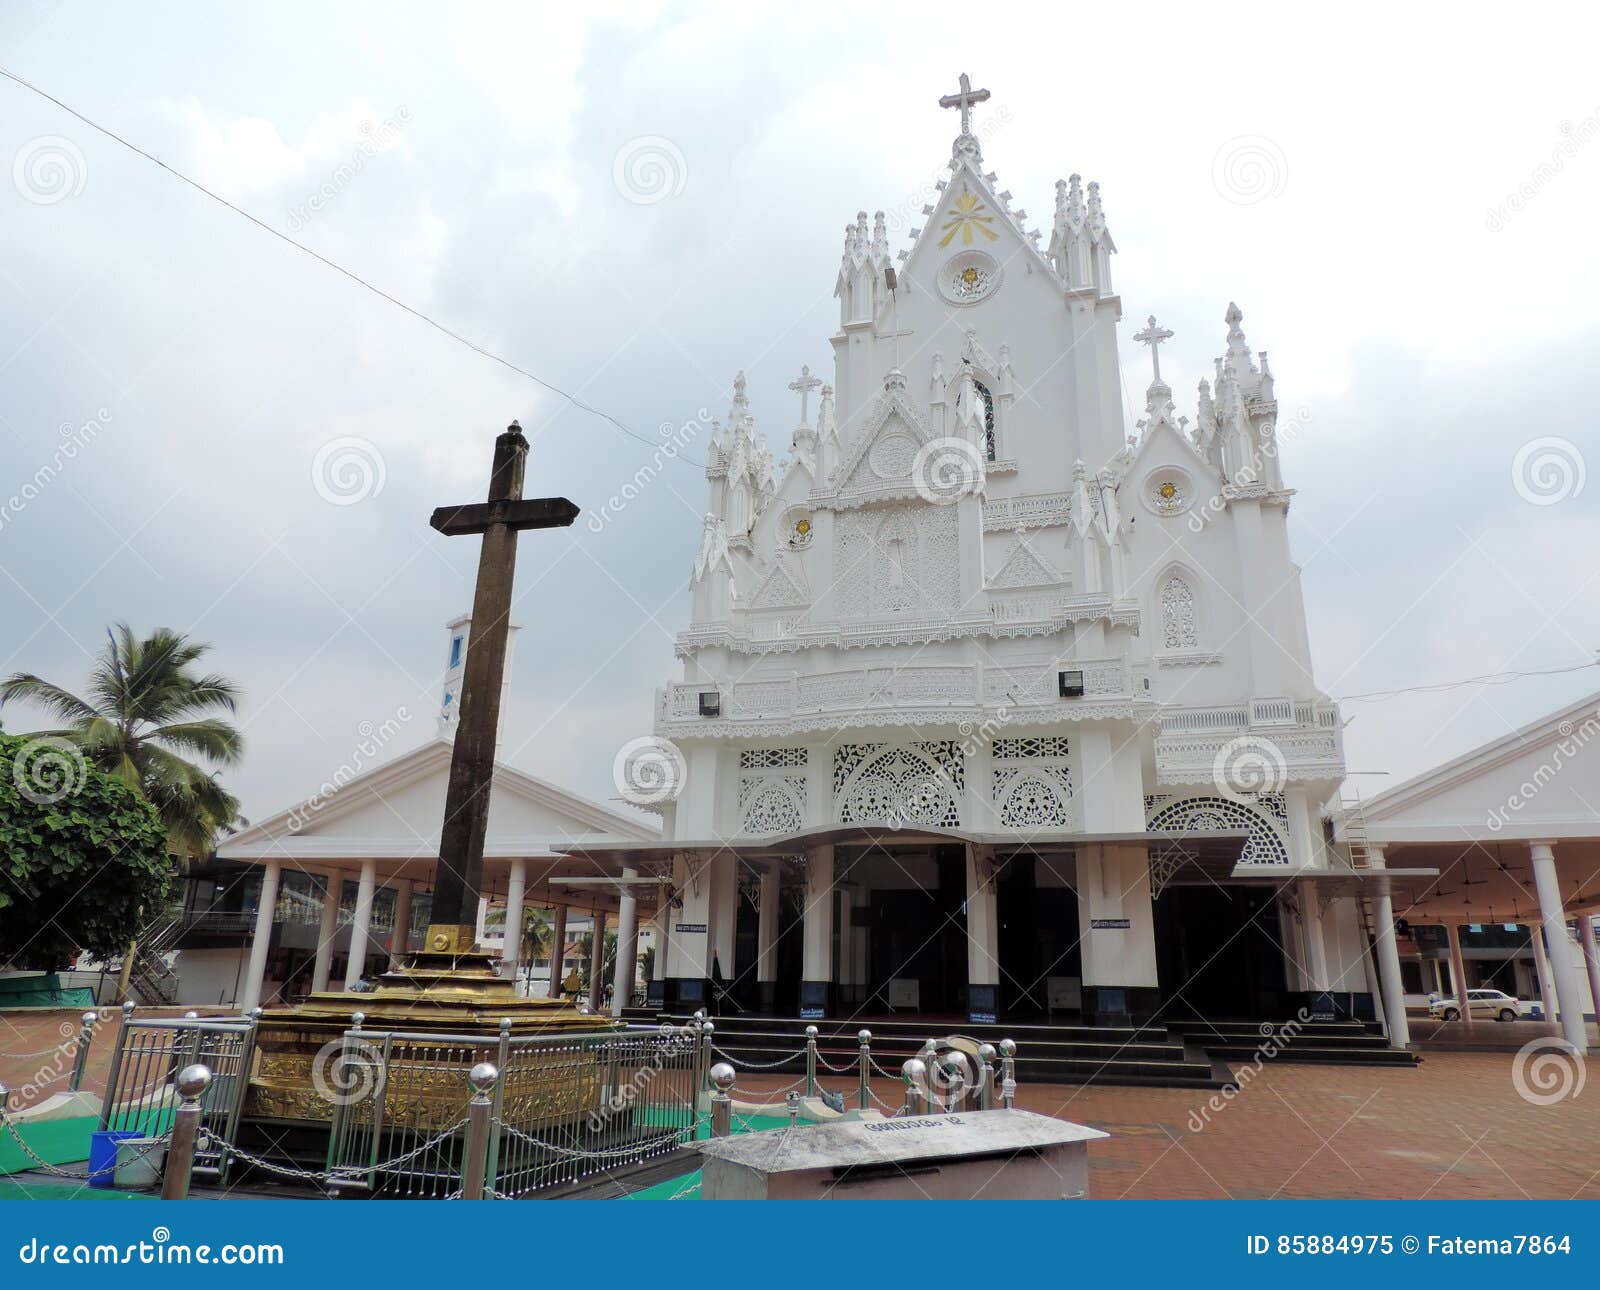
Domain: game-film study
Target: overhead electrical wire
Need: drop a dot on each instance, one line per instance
(438, 326)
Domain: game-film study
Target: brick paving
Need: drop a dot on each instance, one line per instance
(1455, 1127)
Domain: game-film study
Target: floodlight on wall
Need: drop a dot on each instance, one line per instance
(710, 703)
(1071, 684)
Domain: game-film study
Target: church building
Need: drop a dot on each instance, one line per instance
(987, 708)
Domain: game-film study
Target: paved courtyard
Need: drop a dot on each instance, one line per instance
(1455, 1127)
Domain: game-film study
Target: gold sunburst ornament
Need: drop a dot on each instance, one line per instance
(969, 213)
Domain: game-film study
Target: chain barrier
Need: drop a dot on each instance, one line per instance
(837, 1070)
(640, 1147)
(757, 1066)
(70, 1042)
(213, 1142)
(878, 1070)
(686, 1192)
(44, 1166)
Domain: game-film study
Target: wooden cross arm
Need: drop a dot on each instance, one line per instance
(529, 513)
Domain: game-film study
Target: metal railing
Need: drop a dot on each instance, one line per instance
(564, 1107)
(141, 1087)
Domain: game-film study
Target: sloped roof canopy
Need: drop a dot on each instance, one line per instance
(393, 814)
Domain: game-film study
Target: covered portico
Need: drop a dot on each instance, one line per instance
(1513, 830)
(871, 919)
(380, 830)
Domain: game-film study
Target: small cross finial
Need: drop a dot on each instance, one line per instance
(803, 387)
(964, 99)
(1153, 335)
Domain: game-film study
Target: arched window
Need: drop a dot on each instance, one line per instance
(988, 418)
(1178, 630)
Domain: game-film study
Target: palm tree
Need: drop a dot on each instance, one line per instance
(145, 716)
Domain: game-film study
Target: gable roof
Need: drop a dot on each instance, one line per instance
(427, 767)
(1489, 777)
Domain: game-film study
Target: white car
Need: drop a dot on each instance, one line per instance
(1495, 1004)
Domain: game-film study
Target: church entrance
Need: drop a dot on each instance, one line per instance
(1218, 953)
(1041, 966)
(907, 931)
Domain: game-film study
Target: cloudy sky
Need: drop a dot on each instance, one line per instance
(1402, 204)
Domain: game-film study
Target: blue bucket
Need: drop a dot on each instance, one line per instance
(103, 1154)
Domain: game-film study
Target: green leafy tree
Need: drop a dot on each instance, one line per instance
(83, 857)
(144, 716)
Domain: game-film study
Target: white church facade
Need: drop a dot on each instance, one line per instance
(986, 707)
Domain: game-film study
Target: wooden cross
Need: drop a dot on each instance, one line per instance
(964, 99)
(1152, 336)
(453, 924)
(803, 386)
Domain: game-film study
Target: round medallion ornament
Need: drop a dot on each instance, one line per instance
(797, 528)
(969, 277)
(1168, 491)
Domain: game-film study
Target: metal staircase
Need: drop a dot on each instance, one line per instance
(149, 977)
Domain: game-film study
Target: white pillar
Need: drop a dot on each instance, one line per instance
(817, 933)
(328, 933)
(1569, 992)
(516, 885)
(1458, 972)
(1591, 961)
(627, 944)
(597, 962)
(1388, 954)
(723, 934)
(1541, 970)
(558, 948)
(1311, 929)
(400, 942)
(250, 997)
(362, 923)
(983, 951)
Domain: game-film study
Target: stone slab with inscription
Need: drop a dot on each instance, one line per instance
(990, 1155)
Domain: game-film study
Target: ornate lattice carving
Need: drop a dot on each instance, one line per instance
(897, 562)
(1033, 797)
(1030, 746)
(1178, 629)
(1266, 844)
(771, 804)
(919, 783)
(761, 758)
